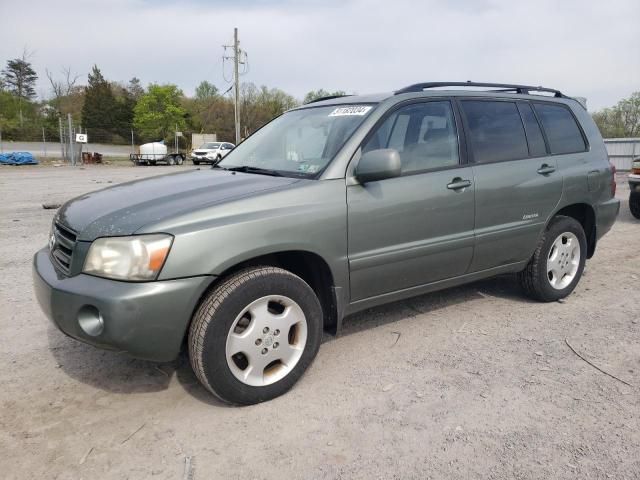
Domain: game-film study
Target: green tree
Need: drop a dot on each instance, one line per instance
(260, 105)
(206, 91)
(621, 120)
(159, 112)
(100, 109)
(19, 78)
(316, 94)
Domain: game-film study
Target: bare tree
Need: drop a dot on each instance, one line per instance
(62, 88)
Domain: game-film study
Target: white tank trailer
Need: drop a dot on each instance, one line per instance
(155, 152)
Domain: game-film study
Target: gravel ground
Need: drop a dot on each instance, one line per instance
(471, 382)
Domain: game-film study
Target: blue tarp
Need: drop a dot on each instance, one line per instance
(17, 158)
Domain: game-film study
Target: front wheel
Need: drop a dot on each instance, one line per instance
(557, 264)
(634, 204)
(196, 162)
(255, 334)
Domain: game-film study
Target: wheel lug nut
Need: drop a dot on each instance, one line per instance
(264, 351)
(258, 342)
(265, 330)
(276, 345)
(276, 332)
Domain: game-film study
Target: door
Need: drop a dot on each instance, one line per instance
(517, 185)
(416, 228)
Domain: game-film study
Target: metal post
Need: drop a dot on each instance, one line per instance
(44, 142)
(236, 79)
(175, 133)
(1, 147)
(72, 153)
(61, 141)
(133, 148)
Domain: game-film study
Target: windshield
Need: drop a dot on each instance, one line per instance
(301, 142)
(210, 146)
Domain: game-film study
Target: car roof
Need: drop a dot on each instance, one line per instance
(448, 89)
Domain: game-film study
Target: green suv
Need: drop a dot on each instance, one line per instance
(333, 207)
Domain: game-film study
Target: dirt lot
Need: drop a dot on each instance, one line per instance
(472, 382)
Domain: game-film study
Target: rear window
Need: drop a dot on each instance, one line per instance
(495, 130)
(562, 131)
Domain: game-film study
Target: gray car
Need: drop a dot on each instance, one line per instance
(333, 207)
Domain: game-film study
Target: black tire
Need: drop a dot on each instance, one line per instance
(179, 159)
(216, 315)
(171, 160)
(535, 279)
(196, 162)
(218, 158)
(634, 204)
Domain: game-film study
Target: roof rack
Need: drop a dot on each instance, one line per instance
(503, 87)
(328, 97)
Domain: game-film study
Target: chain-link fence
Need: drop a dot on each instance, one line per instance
(70, 141)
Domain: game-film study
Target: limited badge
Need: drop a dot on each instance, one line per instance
(357, 110)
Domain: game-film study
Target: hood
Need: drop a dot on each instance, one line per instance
(123, 209)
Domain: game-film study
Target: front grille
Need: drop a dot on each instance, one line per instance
(62, 251)
(200, 153)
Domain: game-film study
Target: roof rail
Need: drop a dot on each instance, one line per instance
(328, 97)
(503, 87)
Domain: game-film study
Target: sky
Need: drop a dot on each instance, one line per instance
(584, 48)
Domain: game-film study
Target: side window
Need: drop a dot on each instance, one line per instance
(423, 133)
(495, 130)
(562, 131)
(535, 139)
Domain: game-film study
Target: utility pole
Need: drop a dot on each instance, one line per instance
(236, 79)
(72, 153)
(239, 58)
(1, 147)
(44, 142)
(133, 148)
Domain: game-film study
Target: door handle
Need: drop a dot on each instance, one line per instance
(546, 169)
(458, 183)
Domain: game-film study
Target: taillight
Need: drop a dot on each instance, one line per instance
(613, 179)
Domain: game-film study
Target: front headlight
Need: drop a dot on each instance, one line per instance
(136, 258)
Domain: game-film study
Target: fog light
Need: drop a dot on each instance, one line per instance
(90, 320)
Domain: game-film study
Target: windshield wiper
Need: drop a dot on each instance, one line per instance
(258, 170)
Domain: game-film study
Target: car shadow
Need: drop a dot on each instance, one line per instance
(116, 372)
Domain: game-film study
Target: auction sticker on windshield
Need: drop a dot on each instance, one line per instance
(353, 110)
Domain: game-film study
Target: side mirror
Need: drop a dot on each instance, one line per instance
(378, 165)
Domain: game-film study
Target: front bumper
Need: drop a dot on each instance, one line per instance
(146, 320)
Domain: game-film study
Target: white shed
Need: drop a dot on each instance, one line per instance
(622, 151)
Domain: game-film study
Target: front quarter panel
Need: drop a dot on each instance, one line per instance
(307, 216)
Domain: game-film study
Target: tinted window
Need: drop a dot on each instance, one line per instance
(495, 130)
(562, 131)
(423, 133)
(535, 139)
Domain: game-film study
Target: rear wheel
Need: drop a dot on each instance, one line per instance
(634, 204)
(557, 264)
(179, 159)
(255, 334)
(171, 160)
